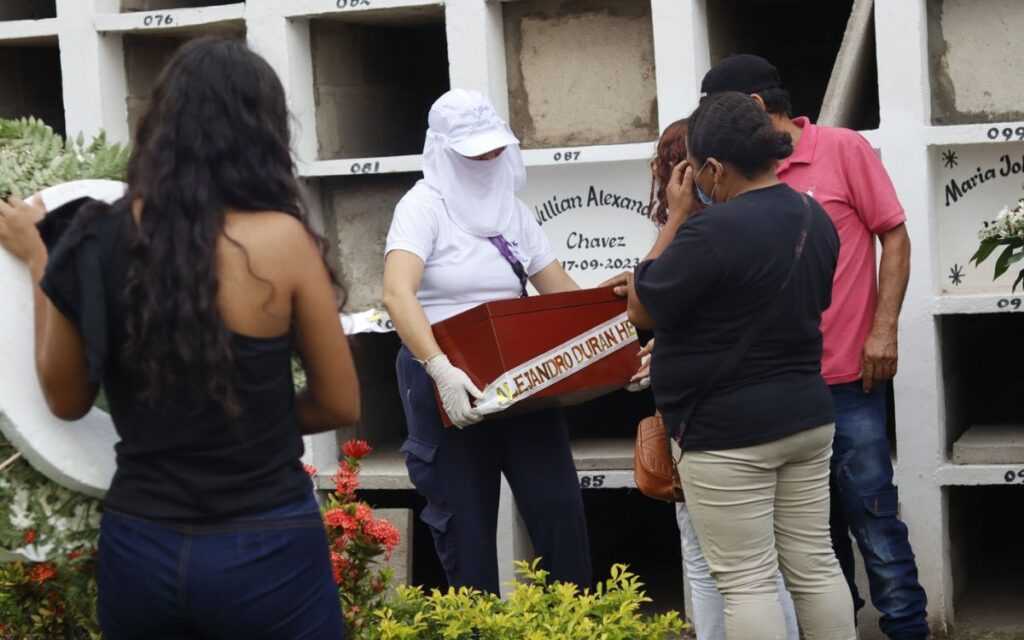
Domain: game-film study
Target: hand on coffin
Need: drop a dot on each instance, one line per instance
(455, 389)
(620, 282)
(642, 378)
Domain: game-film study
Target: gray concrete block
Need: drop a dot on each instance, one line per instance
(401, 558)
(357, 215)
(580, 72)
(973, 46)
(990, 444)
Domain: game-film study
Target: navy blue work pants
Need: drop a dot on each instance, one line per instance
(865, 502)
(266, 576)
(459, 473)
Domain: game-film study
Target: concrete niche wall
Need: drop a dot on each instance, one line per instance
(580, 72)
(357, 213)
(375, 81)
(802, 38)
(156, 5)
(975, 47)
(31, 81)
(27, 9)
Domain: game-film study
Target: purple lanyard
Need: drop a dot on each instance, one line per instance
(517, 267)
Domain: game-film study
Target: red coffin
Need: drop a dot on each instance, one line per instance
(500, 336)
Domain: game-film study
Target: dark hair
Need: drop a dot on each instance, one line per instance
(671, 151)
(776, 101)
(731, 128)
(215, 136)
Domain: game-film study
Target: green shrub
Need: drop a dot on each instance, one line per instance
(535, 610)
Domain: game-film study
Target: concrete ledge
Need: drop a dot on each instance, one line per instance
(990, 444)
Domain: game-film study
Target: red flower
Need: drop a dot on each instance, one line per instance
(346, 481)
(385, 533)
(340, 519)
(42, 573)
(337, 564)
(357, 449)
(74, 554)
(310, 469)
(30, 536)
(364, 514)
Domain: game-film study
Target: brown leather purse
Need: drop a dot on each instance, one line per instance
(654, 470)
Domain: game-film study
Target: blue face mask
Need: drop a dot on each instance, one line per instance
(705, 199)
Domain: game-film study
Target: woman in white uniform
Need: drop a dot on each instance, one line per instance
(460, 237)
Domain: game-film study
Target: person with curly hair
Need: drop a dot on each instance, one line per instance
(186, 300)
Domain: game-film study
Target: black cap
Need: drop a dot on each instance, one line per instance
(741, 72)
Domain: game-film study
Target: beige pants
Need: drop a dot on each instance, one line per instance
(758, 509)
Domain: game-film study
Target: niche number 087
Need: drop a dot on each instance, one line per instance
(351, 4)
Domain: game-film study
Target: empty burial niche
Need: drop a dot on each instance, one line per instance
(987, 557)
(158, 5)
(972, 46)
(27, 9)
(580, 72)
(31, 81)
(840, 30)
(984, 415)
(375, 77)
(624, 526)
(144, 58)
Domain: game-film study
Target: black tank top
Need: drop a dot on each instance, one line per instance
(175, 462)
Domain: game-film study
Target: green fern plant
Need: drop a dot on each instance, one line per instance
(33, 156)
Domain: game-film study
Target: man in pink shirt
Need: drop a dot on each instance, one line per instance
(843, 173)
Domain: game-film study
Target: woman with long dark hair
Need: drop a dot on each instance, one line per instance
(185, 300)
(734, 296)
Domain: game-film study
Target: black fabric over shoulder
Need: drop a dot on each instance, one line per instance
(80, 236)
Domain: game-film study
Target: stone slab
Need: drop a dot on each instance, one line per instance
(990, 444)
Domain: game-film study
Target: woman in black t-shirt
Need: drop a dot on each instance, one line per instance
(186, 300)
(735, 297)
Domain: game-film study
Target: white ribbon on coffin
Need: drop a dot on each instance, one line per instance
(557, 364)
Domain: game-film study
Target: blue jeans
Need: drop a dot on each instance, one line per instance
(265, 576)
(865, 502)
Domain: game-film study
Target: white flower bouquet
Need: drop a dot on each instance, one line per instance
(1007, 232)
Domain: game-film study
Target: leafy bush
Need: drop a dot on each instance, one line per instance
(535, 610)
(33, 156)
(54, 599)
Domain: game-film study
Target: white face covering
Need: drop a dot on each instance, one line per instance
(480, 195)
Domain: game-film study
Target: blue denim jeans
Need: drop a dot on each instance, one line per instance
(265, 576)
(865, 502)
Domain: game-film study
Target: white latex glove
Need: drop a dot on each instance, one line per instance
(455, 389)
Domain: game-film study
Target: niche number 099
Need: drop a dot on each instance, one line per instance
(1006, 133)
(1014, 476)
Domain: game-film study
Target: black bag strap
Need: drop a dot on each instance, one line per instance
(754, 327)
